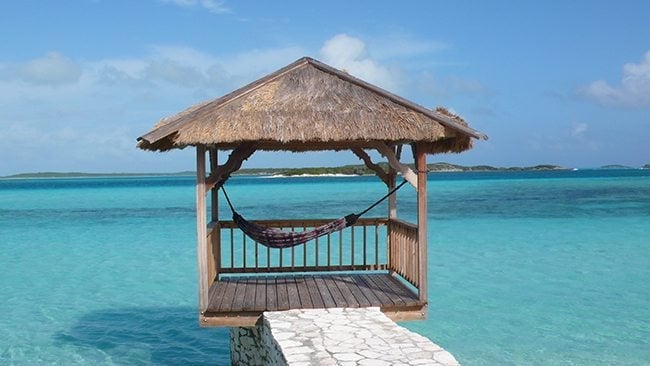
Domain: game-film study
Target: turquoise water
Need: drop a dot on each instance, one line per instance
(524, 267)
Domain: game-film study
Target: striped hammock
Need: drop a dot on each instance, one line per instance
(276, 238)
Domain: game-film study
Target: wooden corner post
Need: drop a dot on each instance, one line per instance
(201, 229)
(214, 234)
(421, 166)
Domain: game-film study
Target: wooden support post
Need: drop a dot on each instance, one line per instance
(392, 199)
(201, 229)
(421, 166)
(214, 252)
(392, 175)
(392, 214)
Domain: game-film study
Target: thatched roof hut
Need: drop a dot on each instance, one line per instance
(309, 105)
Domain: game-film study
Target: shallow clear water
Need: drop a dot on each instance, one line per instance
(524, 267)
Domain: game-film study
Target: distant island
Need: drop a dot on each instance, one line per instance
(360, 169)
(94, 175)
(615, 166)
(357, 169)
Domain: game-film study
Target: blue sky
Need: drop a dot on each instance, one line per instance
(560, 82)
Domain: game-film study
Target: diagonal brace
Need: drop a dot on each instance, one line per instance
(389, 154)
(220, 175)
(361, 154)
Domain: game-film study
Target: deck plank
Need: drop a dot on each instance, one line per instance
(283, 296)
(249, 296)
(260, 294)
(373, 300)
(271, 294)
(387, 288)
(377, 290)
(351, 301)
(292, 290)
(238, 298)
(226, 303)
(303, 293)
(328, 300)
(356, 291)
(216, 295)
(314, 293)
(339, 300)
(399, 290)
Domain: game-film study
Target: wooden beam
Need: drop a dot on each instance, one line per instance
(372, 166)
(234, 162)
(240, 319)
(201, 229)
(421, 166)
(392, 174)
(215, 232)
(389, 154)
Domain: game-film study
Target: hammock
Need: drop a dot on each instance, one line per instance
(276, 238)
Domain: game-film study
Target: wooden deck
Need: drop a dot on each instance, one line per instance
(240, 300)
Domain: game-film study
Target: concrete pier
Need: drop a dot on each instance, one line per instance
(349, 336)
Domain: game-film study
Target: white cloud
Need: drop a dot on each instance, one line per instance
(446, 86)
(579, 129)
(177, 74)
(633, 91)
(213, 6)
(402, 45)
(349, 54)
(53, 69)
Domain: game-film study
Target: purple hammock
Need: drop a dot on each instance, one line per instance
(276, 238)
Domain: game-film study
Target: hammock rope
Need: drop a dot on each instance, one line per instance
(276, 238)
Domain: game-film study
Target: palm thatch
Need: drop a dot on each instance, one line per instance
(309, 105)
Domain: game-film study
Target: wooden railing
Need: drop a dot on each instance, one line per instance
(404, 250)
(363, 246)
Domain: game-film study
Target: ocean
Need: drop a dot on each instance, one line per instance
(525, 268)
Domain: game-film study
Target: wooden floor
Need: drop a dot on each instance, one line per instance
(251, 295)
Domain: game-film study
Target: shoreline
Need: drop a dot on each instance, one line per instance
(341, 171)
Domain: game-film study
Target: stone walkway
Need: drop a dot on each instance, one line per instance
(354, 337)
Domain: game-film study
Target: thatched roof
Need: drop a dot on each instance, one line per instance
(309, 105)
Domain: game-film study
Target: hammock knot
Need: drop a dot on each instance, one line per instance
(351, 219)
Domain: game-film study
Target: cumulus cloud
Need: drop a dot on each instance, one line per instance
(633, 91)
(349, 53)
(213, 6)
(52, 69)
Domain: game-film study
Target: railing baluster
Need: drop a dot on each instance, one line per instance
(376, 245)
(316, 264)
(232, 248)
(365, 244)
(257, 250)
(329, 249)
(341, 249)
(293, 257)
(352, 246)
(244, 249)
